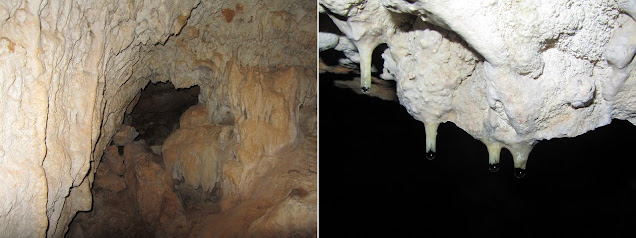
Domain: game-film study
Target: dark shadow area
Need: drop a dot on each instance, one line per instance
(331, 57)
(159, 109)
(327, 25)
(376, 58)
(375, 179)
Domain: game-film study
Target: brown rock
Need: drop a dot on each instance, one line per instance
(152, 188)
(125, 135)
(113, 161)
(110, 182)
(191, 32)
(282, 200)
(196, 151)
(172, 218)
(196, 115)
(293, 217)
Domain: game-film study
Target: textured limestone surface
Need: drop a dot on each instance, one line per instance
(194, 152)
(141, 202)
(510, 73)
(69, 70)
(125, 135)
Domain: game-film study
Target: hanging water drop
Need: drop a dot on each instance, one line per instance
(520, 173)
(494, 149)
(430, 155)
(493, 167)
(431, 137)
(520, 153)
(365, 89)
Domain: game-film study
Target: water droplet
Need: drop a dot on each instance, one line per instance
(493, 167)
(365, 89)
(520, 173)
(430, 155)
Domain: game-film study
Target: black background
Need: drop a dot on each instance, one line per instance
(374, 179)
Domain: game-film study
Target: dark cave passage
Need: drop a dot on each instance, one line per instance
(134, 192)
(156, 115)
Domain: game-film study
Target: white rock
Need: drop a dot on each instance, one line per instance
(508, 73)
(156, 149)
(327, 41)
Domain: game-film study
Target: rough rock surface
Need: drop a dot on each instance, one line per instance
(508, 73)
(195, 152)
(286, 209)
(145, 191)
(70, 69)
(125, 135)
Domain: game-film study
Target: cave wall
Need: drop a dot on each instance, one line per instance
(70, 69)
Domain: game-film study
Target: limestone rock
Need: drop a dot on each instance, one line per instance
(152, 186)
(292, 217)
(281, 203)
(510, 74)
(156, 149)
(195, 152)
(111, 182)
(119, 218)
(70, 70)
(145, 192)
(195, 116)
(113, 160)
(125, 135)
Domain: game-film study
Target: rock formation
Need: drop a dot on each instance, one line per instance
(137, 200)
(510, 73)
(70, 70)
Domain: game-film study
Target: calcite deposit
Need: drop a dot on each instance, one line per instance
(70, 70)
(195, 151)
(510, 73)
